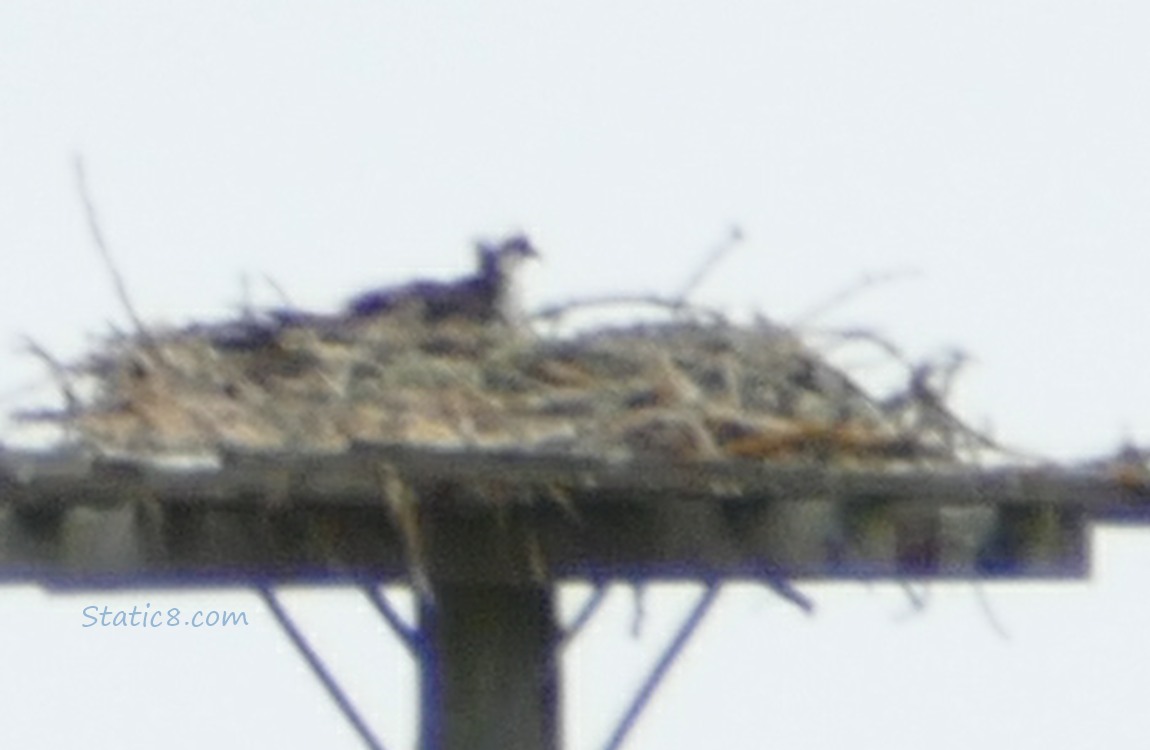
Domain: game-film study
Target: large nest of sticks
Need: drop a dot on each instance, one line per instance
(683, 390)
(449, 365)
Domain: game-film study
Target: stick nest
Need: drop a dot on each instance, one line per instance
(679, 390)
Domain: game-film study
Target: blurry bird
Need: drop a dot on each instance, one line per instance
(486, 296)
(489, 295)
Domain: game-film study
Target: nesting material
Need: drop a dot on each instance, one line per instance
(679, 390)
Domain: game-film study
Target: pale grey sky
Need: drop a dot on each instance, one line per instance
(999, 149)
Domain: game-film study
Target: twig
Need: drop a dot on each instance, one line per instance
(285, 298)
(928, 391)
(787, 591)
(984, 604)
(402, 503)
(41, 415)
(589, 608)
(917, 600)
(871, 337)
(105, 254)
(853, 289)
(734, 237)
(675, 305)
(923, 394)
(639, 614)
(247, 308)
(561, 496)
(59, 374)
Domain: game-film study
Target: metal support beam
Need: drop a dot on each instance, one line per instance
(404, 632)
(662, 666)
(320, 671)
(489, 672)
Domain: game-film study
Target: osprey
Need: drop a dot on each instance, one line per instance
(487, 295)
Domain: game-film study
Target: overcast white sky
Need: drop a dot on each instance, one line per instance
(999, 149)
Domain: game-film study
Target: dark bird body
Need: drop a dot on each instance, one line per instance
(484, 296)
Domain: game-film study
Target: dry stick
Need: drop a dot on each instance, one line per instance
(934, 399)
(675, 304)
(852, 290)
(285, 298)
(105, 253)
(917, 601)
(787, 591)
(590, 606)
(709, 263)
(247, 309)
(919, 371)
(984, 604)
(552, 312)
(919, 392)
(59, 373)
(401, 503)
(639, 615)
(562, 498)
(536, 559)
(870, 337)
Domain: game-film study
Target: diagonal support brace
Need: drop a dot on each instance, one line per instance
(319, 669)
(406, 634)
(663, 665)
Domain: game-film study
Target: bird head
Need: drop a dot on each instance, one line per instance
(501, 260)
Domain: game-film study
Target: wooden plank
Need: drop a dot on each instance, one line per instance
(489, 672)
(353, 479)
(149, 543)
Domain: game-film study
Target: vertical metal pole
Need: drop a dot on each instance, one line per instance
(489, 675)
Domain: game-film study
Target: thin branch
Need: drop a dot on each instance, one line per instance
(787, 591)
(984, 604)
(319, 670)
(247, 308)
(59, 374)
(285, 298)
(923, 395)
(927, 393)
(401, 503)
(854, 289)
(639, 614)
(675, 305)
(589, 608)
(871, 337)
(105, 254)
(917, 600)
(41, 416)
(733, 238)
(663, 665)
